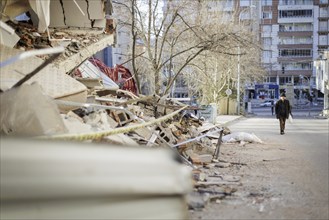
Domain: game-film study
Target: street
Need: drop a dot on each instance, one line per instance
(304, 111)
(286, 177)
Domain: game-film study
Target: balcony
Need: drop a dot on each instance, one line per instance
(295, 20)
(324, 14)
(301, 30)
(292, 46)
(323, 3)
(296, 2)
(296, 15)
(323, 30)
(295, 59)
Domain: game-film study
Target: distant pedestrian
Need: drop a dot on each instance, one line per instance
(272, 106)
(282, 111)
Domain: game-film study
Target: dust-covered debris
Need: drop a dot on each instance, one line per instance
(114, 113)
(241, 137)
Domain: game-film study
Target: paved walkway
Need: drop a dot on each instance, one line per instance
(224, 120)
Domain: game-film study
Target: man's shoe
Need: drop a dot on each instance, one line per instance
(281, 132)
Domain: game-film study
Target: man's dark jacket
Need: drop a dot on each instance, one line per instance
(282, 109)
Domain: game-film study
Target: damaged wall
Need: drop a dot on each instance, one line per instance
(89, 14)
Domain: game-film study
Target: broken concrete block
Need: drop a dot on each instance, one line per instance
(7, 35)
(75, 125)
(136, 110)
(91, 83)
(73, 115)
(112, 122)
(153, 138)
(198, 175)
(223, 165)
(197, 201)
(175, 130)
(166, 134)
(195, 159)
(121, 117)
(99, 120)
(144, 132)
(205, 158)
(27, 111)
(120, 139)
(228, 178)
(54, 82)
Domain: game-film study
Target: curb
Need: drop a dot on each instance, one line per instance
(231, 121)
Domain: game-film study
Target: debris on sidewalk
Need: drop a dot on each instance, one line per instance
(112, 115)
(79, 98)
(241, 137)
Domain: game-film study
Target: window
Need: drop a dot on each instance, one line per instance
(270, 79)
(286, 27)
(303, 27)
(324, 12)
(296, 2)
(267, 54)
(244, 3)
(267, 41)
(295, 53)
(284, 80)
(323, 26)
(297, 66)
(267, 15)
(303, 2)
(296, 40)
(295, 13)
(286, 40)
(323, 40)
(267, 28)
(296, 27)
(266, 2)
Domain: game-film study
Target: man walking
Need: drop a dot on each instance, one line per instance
(272, 106)
(282, 111)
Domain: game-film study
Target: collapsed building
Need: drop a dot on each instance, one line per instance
(70, 124)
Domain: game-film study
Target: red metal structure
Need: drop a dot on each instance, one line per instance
(119, 74)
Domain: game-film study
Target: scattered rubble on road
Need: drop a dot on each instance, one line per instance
(123, 118)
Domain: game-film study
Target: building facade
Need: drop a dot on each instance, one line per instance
(293, 32)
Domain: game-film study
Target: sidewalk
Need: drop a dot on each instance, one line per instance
(225, 120)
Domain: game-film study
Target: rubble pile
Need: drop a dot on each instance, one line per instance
(123, 118)
(73, 39)
(94, 104)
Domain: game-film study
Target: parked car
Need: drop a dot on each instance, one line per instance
(267, 103)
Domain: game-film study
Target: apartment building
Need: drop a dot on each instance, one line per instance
(293, 32)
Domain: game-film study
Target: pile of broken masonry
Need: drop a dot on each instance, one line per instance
(120, 118)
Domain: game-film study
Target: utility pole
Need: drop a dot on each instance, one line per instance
(238, 89)
(238, 84)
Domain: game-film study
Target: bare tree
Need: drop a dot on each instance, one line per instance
(186, 39)
(215, 69)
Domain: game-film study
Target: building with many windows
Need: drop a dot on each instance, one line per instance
(293, 32)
